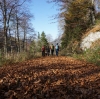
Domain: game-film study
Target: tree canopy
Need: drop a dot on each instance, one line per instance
(78, 15)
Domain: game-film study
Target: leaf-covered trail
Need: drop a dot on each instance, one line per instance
(50, 78)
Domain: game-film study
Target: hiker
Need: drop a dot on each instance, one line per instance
(47, 50)
(43, 50)
(57, 49)
(52, 49)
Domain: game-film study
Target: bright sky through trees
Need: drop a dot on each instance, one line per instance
(44, 14)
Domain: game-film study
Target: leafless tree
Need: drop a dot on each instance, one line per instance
(8, 11)
(26, 27)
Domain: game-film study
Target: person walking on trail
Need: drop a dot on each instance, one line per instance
(57, 49)
(52, 49)
(47, 50)
(43, 50)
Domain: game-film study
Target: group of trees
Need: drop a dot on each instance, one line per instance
(37, 44)
(77, 16)
(16, 31)
(14, 24)
(77, 20)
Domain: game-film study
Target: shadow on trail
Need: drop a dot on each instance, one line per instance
(49, 79)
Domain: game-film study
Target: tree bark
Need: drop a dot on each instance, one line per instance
(5, 28)
(18, 41)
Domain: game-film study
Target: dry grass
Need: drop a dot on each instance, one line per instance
(93, 30)
(95, 44)
(17, 57)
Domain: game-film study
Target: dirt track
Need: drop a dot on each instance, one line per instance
(50, 78)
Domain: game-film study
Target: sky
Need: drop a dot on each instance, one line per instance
(43, 17)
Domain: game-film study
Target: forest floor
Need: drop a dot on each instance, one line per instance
(50, 78)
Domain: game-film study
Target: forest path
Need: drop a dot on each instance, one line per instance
(50, 78)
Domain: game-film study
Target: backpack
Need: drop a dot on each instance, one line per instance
(57, 47)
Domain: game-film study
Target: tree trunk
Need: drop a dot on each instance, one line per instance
(24, 40)
(92, 12)
(18, 41)
(5, 28)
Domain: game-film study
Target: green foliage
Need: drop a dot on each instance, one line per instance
(32, 46)
(32, 49)
(65, 52)
(72, 48)
(18, 57)
(43, 39)
(97, 21)
(38, 35)
(90, 55)
(97, 18)
(76, 21)
(64, 40)
(71, 36)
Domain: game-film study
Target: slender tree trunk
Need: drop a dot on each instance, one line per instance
(18, 41)
(10, 40)
(24, 40)
(15, 39)
(92, 12)
(5, 28)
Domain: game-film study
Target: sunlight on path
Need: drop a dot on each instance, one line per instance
(50, 78)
